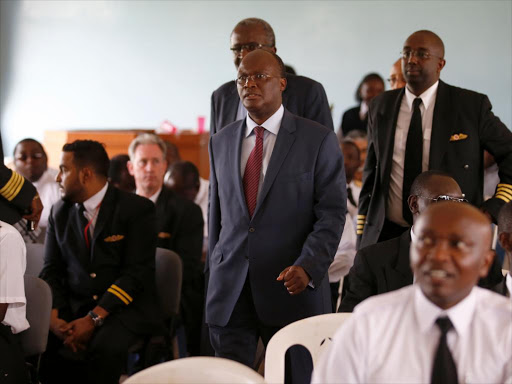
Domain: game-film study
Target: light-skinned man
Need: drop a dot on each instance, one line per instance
(303, 96)
(179, 226)
(396, 78)
(442, 329)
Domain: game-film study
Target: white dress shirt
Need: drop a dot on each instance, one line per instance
(202, 200)
(154, 197)
(392, 338)
(49, 193)
(352, 209)
(92, 207)
(272, 126)
(344, 258)
(508, 283)
(428, 98)
(13, 262)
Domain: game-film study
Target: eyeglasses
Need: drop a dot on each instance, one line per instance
(257, 78)
(247, 48)
(34, 156)
(445, 198)
(421, 55)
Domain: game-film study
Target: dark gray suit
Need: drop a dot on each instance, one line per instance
(303, 97)
(298, 220)
(463, 126)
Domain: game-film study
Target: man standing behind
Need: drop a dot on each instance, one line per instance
(179, 226)
(396, 77)
(442, 329)
(303, 96)
(100, 264)
(277, 210)
(427, 125)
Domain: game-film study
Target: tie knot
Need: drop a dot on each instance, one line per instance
(444, 324)
(417, 102)
(259, 132)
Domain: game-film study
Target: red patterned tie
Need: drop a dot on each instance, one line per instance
(253, 171)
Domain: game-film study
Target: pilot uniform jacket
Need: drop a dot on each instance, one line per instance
(463, 126)
(16, 193)
(118, 273)
(303, 97)
(385, 267)
(298, 220)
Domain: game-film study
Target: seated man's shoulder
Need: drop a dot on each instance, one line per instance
(490, 303)
(132, 202)
(381, 253)
(11, 234)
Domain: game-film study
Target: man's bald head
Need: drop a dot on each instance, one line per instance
(433, 39)
(251, 34)
(451, 251)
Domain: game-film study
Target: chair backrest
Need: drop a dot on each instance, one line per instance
(39, 307)
(168, 280)
(314, 333)
(193, 370)
(35, 259)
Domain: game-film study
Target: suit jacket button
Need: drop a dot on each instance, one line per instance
(93, 275)
(251, 229)
(466, 166)
(95, 297)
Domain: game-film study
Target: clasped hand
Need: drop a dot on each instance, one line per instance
(75, 334)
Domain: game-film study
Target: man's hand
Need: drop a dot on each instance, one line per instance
(59, 327)
(82, 330)
(295, 279)
(36, 208)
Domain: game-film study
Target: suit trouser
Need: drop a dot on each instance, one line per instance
(12, 362)
(238, 340)
(103, 361)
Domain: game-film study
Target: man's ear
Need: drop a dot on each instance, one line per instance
(412, 202)
(85, 175)
(505, 240)
(487, 262)
(440, 66)
(129, 166)
(283, 82)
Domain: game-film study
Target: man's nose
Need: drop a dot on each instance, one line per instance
(440, 251)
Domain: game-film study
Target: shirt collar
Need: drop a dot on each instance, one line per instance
(427, 98)
(272, 124)
(427, 312)
(154, 198)
(95, 200)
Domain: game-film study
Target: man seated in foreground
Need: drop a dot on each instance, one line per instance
(100, 264)
(442, 329)
(505, 238)
(385, 266)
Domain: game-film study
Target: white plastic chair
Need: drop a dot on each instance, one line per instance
(194, 370)
(314, 333)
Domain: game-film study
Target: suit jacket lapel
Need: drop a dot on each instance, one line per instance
(401, 275)
(284, 141)
(234, 158)
(82, 251)
(442, 123)
(386, 133)
(107, 206)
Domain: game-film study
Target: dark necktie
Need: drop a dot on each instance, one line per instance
(444, 370)
(84, 223)
(253, 170)
(413, 157)
(351, 197)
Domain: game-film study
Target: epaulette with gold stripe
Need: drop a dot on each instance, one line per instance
(504, 192)
(120, 293)
(360, 224)
(13, 186)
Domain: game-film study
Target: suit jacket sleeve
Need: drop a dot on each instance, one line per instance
(213, 209)
(369, 177)
(54, 266)
(360, 283)
(138, 262)
(497, 139)
(318, 106)
(330, 208)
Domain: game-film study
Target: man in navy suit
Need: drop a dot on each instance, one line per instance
(277, 211)
(303, 96)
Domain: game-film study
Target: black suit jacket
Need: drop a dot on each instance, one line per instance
(351, 121)
(463, 126)
(118, 273)
(16, 192)
(385, 267)
(303, 97)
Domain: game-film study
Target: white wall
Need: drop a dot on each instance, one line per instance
(132, 64)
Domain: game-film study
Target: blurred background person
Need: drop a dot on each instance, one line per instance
(118, 174)
(356, 118)
(31, 161)
(359, 138)
(396, 78)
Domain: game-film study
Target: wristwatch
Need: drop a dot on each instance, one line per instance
(97, 319)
